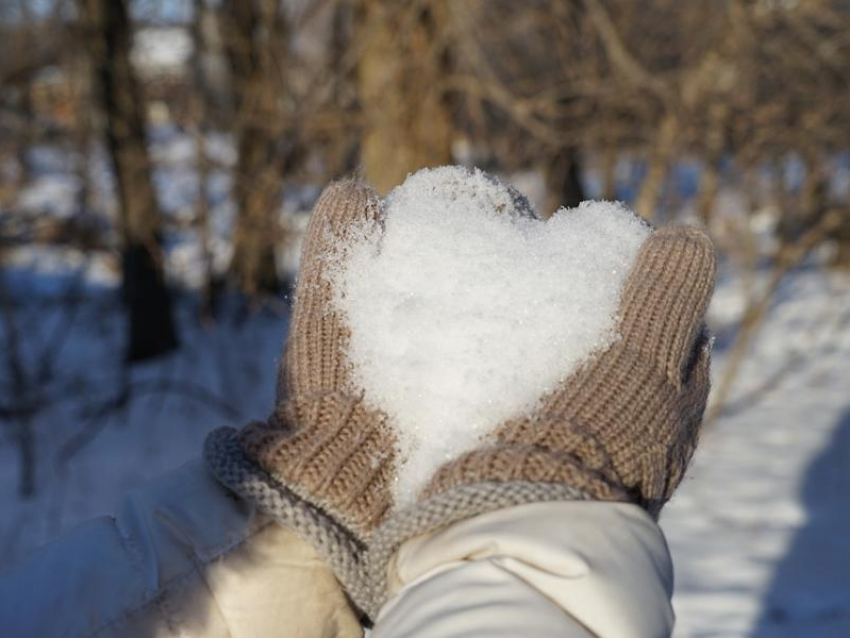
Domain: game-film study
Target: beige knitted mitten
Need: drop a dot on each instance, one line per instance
(622, 428)
(321, 441)
(322, 464)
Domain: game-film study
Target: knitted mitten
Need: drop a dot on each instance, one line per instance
(622, 428)
(323, 462)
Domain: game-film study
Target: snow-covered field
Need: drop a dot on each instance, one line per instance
(760, 529)
(101, 429)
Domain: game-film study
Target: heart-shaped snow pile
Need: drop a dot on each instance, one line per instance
(466, 309)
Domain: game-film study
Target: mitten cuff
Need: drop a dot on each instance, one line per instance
(513, 462)
(330, 450)
(341, 550)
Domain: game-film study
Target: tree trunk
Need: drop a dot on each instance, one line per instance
(841, 258)
(27, 132)
(255, 42)
(715, 146)
(22, 422)
(107, 37)
(563, 181)
(609, 172)
(663, 149)
(341, 150)
(200, 126)
(709, 185)
(406, 120)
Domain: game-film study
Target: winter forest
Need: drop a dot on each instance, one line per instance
(159, 160)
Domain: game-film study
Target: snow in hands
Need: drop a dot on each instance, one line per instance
(465, 309)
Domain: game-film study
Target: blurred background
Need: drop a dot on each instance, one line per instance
(159, 159)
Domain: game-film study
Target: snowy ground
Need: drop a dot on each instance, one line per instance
(759, 530)
(101, 429)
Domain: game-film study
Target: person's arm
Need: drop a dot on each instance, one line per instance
(567, 569)
(183, 557)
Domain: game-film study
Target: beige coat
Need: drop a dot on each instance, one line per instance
(184, 558)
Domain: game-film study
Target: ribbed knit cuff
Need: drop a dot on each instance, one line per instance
(332, 451)
(515, 462)
(340, 549)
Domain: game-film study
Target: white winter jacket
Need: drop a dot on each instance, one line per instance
(183, 557)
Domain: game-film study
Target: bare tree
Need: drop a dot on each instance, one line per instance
(255, 38)
(198, 99)
(563, 180)
(19, 415)
(401, 71)
(107, 36)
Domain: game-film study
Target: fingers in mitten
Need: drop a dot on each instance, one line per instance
(340, 205)
(692, 401)
(313, 360)
(697, 367)
(666, 295)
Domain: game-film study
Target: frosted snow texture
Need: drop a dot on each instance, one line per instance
(467, 309)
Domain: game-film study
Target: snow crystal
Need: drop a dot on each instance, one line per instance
(465, 309)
